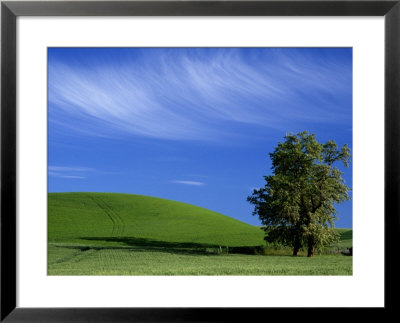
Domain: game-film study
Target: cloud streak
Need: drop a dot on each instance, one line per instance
(194, 94)
(191, 183)
(70, 169)
(69, 172)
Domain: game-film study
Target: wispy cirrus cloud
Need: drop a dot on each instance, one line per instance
(191, 183)
(195, 94)
(69, 172)
(66, 176)
(69, 169)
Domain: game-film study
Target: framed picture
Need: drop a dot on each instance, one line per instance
(196, 153)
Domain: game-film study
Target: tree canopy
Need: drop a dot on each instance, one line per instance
(297, 203)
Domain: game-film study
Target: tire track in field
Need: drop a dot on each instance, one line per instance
(118, 225)
(116, 216)
(109, 217)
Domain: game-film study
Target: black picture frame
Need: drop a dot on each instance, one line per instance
(10, 10)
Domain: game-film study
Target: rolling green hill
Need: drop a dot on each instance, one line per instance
(124, 234)
(123, 219)
(346, 238)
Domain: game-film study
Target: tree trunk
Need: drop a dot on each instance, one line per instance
(310, 250)
(296, 247)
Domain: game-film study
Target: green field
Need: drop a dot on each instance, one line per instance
(346, 238)
(123, 234)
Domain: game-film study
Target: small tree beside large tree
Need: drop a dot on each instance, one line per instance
(297, 204)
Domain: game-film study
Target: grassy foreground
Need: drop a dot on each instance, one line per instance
(122, 234)
(65, 261)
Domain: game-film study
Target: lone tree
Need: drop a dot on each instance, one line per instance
(297, 204)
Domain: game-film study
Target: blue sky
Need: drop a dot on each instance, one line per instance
(190, 124)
